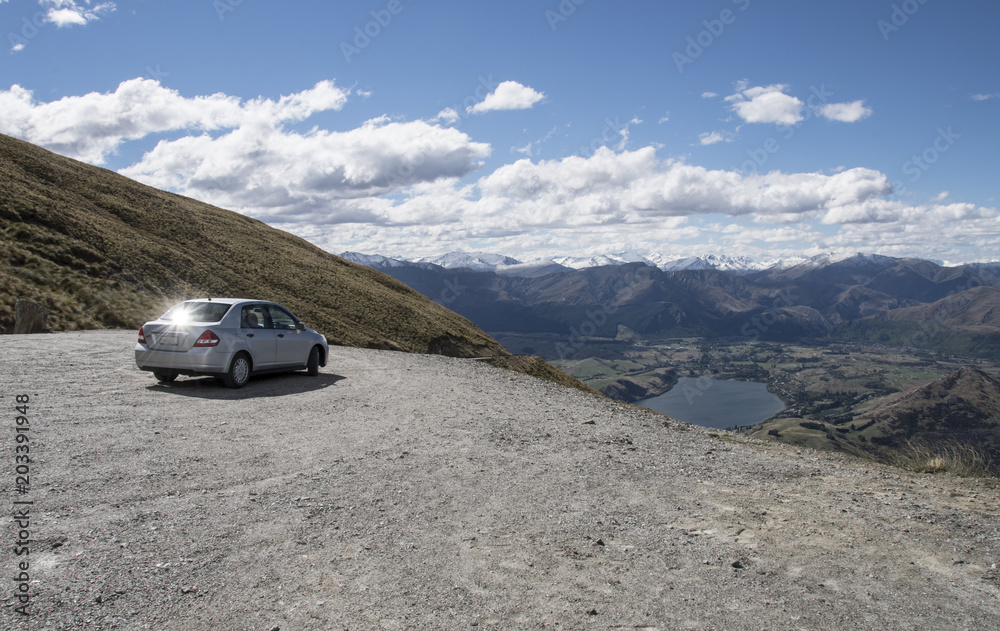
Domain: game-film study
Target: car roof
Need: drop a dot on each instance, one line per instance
(230, 301)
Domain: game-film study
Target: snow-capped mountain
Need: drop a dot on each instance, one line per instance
(376, 261)
(711, 261)
(479, 261)
(509, 266)
(487, 262)
(622, 258)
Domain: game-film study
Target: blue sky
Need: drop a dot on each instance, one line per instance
(536, 128)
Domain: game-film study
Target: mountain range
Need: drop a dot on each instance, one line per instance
(866, 298)
(487, 262)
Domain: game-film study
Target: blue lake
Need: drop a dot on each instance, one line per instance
(716, 403)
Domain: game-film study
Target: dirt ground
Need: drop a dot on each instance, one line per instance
(398, 491)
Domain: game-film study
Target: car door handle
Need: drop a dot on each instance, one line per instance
(281, 335)
(249, 334)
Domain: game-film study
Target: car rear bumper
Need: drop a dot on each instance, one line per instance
(197, 361)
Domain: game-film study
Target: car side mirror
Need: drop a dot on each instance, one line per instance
(300, 326)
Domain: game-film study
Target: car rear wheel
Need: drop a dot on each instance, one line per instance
(165, 377)
(239, 371)
(312, 366)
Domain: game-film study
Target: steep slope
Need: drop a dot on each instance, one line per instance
(963, 406)
(957, 414)
(966, 323)
(100, 250)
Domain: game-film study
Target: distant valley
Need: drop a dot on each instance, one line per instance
(848, 344)
(868, 299)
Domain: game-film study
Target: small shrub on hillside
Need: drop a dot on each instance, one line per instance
(958, 458)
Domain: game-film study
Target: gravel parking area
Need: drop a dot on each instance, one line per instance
(399, 491)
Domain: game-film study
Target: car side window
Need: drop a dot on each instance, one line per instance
(253, 317)
(280, 318)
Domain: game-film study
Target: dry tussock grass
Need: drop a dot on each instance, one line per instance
(957, 458)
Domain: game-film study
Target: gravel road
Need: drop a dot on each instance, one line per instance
(398, 491)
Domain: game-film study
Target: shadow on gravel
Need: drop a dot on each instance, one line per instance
(277, 385)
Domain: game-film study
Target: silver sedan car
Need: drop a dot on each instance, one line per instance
(230, 339)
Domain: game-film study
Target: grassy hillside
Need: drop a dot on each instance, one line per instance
(101, 251)
(966, 323)
(952, 423)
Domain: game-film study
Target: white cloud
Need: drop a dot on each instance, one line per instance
(71, 13)
(402, 187)
(240, 155)
(766, 104)
(958, 232)
(713, 137)
(637, 185)
(640, 202)
(318, 177)
(846, 112)
(985, 97)
(92, 126)
(624, 131)
(448, 116)
(62, 13)
(509, 95)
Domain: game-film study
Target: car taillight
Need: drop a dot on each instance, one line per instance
(142, 336)
(207, 339)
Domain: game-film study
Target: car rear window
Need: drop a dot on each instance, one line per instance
(197, 312)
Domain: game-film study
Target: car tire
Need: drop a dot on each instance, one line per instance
(239, 371)
(165, 377)
(312, 366)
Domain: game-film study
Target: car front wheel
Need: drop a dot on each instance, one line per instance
(239, 371)
(312, 366)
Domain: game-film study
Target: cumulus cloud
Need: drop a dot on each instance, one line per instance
(772, 104)
(637, 188)
(955, 232)
(448, 116)
(93, 126)
(61, 13)
(404, 187)
(766, 104)
(70, 12)
(275, 174)
(985, 97)
(845, 112)
(509, 95)
(637, 201)
(240, 155)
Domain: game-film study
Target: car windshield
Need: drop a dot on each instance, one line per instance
(196, 312)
